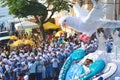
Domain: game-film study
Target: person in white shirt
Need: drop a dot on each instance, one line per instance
(55, 63)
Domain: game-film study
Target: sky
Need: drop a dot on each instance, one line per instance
(4, 15)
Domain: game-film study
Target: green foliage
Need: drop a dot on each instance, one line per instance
(24, 8)
(58, 5)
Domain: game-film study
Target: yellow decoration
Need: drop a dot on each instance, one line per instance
(49, 25)
(22, 42)
(29, 42)
(17, 43)
(58, 34)
(13, 38)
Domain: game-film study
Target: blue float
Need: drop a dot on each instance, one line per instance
(70, 70)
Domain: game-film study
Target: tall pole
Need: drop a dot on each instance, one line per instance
(81, 3)
(115, 3)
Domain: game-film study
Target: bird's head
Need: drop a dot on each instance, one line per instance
(63, 21)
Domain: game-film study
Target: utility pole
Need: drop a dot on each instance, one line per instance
(115, 15)
(81, 3)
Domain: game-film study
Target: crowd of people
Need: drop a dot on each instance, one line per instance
(40, 62)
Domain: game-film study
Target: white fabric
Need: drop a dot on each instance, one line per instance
(25, 24)
(80, 12)
(55, 62)
(93, 19)
(87, 70)
(43, 72)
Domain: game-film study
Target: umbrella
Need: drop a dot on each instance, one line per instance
(25, 24)
(13, 37)
(59, 33)
(49, 25)
(17, 43)
(29, 42)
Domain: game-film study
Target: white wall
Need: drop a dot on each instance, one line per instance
(109, 12)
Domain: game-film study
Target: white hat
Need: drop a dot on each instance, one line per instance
(17, 58)
(13, 52)
(29, 58)
(92, 40)
(39, 54)
(3, 54)
(9, 62)
(41, 57)
(53, 54)
(48, 54)
(95, 39)
(36, 57)
(4, 60)
(14, 56)
(58, 52)
(23, 63)
(91, 58)
(26, 54)
(39, 49)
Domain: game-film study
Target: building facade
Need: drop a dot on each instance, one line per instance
(112, 10)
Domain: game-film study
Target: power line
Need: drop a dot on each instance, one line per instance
(101, 2)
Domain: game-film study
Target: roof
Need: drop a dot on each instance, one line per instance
(3, 31)
(4, 38)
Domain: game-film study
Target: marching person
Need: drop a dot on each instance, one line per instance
(39, 65)
(55, 63)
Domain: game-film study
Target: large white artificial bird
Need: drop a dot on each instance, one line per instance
(88, 22)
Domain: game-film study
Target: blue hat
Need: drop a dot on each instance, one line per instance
(100, 78)
(32, 61)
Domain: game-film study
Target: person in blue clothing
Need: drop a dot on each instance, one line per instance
(55, 63)
(39, 65)
(47, 67)
(32, 70)
(60, 58)
(1, 26)
(7, 73)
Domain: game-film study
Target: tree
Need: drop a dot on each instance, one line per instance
(24, 8)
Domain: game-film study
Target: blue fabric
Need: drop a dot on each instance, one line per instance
(74, 70)
(119, 34)
(95, 68)
(32, 68)
(109, 48)
(101, 78)
(39, 65)
(7, 77)
(1, 26)
(47, 71)
(76, 55)
(39, 76)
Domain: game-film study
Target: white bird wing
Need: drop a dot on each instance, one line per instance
(109, 23)
(79, 11)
